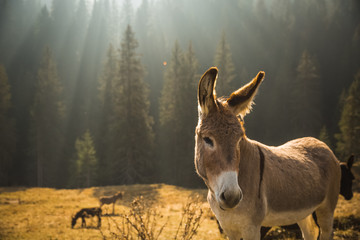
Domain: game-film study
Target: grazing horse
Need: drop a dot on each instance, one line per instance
(86, 213)
(111, 200)
(253, 185)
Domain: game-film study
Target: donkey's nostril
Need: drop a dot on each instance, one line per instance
(222, 196)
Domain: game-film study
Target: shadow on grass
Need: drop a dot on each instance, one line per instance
(87, 227)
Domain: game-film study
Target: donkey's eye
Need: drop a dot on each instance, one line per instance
(208, 141)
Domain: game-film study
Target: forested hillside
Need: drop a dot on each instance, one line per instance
(103, 92)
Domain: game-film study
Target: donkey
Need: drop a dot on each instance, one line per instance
(86, 213)
(253, 185)
(111, 200)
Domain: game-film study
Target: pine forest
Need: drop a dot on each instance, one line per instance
(104, 92)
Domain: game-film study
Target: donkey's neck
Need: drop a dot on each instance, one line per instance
(251, 150)
(251, 167)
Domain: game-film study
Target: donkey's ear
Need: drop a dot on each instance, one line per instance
(350, 161)
(241, 100)
(206, 91)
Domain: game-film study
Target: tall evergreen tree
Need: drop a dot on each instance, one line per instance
(324, 136)
(169, 163)
(47, 115)
(348, 140)
(86, 161)
(108, 89)
(7, 130)
(133, 129)
(83, 95)
(178, 116)
(223, 61)
(187, 112)
(307, 97)
(172, 78)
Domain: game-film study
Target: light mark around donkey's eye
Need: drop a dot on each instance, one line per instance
(208, 141)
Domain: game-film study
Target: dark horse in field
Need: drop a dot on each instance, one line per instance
(86, 213)
(347, 178)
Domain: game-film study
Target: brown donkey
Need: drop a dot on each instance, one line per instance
(253, 185)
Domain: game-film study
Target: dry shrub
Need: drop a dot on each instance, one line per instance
(190, 220)
(143, 222)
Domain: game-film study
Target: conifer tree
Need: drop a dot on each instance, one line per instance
(108, 89)
(223, 61)
(86, 161)
(348, 140)
(307, 97)
(324, 136)
(7, 130)
(172, 78)
(47, 115)
(167, 117)
(84, 93)
(133, 126)
(187, 112)
(178, 115)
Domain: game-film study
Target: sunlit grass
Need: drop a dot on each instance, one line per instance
(44, 213)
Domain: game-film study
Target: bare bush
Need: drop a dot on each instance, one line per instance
(144, 222)
(190, 220)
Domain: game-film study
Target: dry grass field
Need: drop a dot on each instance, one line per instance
(44, 213)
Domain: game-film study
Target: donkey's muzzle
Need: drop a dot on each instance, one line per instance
(230, 198)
